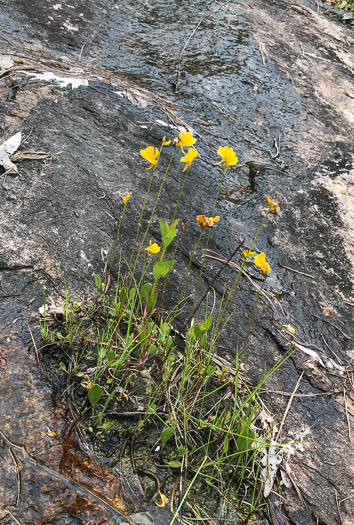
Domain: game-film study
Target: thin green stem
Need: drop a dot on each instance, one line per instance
(188, 489)
(219, 188)
(207, 243)
(161, 305)
(180, 193)
(238, 277)
(259, 229)
(114, 248)
(152, 214)
(162, 258)
(226, 263)
(252, 318)
(143, 208)
(189, 265)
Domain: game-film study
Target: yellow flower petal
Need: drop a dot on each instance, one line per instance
(260, 261)
(126, 198)
(191, 155)
(273, 206)
(228, 156)
(186, 140)
(165, 142)
(265, 268)
(153, 248)
(289, 327)
(207, 222)
(150, 154)
(201, 220)
(248, 253)
(163, 500)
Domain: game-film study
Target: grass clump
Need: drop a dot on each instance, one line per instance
(348, 5)
(178, 406)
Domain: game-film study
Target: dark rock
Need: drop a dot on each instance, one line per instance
(97, 137)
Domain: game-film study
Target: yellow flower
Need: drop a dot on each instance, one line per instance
(126, 198)
(248, 253)
(150, 154)
(153, 248)
(228, 156)
(191, 155)
(163, 500)
(165, 142)
(289, 327)
(273, 206)
(186, 139)
(260, 261)
(207, 222)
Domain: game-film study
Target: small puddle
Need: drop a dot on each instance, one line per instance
(45, 476)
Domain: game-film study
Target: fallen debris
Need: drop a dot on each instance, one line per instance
(7, 148)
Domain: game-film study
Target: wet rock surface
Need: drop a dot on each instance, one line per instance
(66, 210)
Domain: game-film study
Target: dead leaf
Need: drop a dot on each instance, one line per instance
(7, 148)
(284, 476)
(52, 313)
(5, 63)
(136, 99)
(272, 458)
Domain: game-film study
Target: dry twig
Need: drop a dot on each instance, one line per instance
(331, 324)
(296, 271)
(32, 155)
(338, 508)
(18, 477)
(18, 68)
(81, 51)
(288, 407)
(35, 348)
(347, 414)
(262, 50)
(330, 349)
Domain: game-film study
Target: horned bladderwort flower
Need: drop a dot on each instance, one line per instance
(207, 222)
(228, 156)
(150, 154)
(273, 206)
(191, 155)
(163, 499)
(260, 261)
(165, 142)
(153, 248)
(126, 198)
(248, 253)
(289, 328)
(186, 140)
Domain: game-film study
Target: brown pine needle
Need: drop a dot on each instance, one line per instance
(288, 407)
